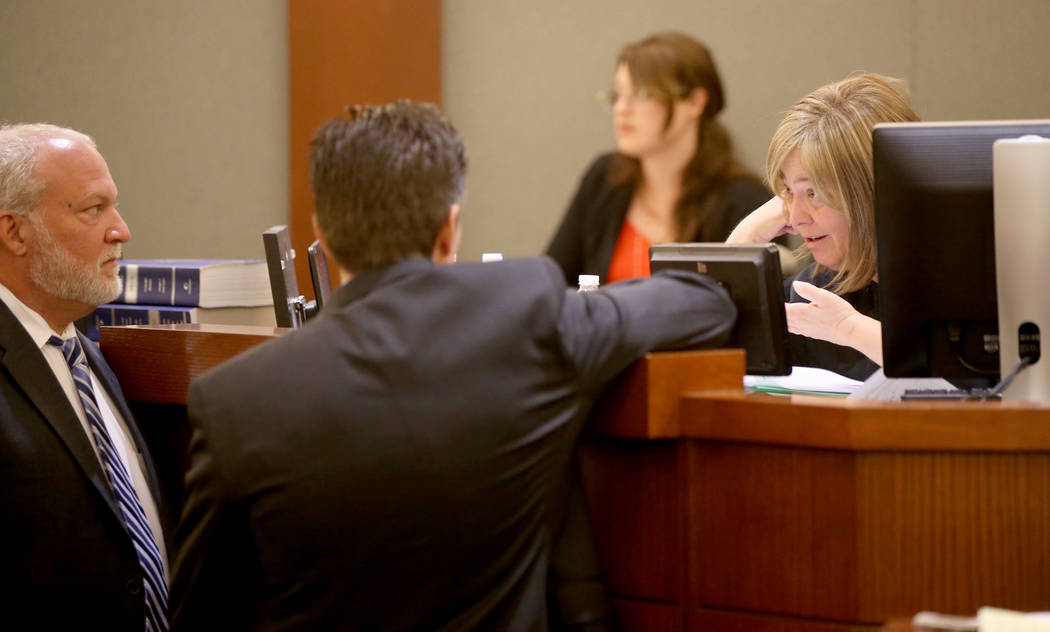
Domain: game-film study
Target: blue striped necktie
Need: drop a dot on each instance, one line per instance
(156, 591)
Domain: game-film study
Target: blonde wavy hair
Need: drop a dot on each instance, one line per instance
(831, 130)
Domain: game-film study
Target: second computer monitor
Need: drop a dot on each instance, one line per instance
(936, 247)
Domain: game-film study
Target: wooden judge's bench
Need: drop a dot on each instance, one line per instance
(714, 509)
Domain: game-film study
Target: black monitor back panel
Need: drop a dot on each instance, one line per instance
(280, 263)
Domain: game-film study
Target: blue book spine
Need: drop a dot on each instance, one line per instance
(173, 315)
(130, 315)
(101, 317)
(187, 289)
(119, 315)
(159, 284)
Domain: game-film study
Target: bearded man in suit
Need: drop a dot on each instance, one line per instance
(401, 462)
(83, 514)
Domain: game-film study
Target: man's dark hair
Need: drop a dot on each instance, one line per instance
(384, 178)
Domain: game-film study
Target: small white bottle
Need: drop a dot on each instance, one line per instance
(491, 256)
(588, 283)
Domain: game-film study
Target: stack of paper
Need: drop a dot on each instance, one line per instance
(987, 620)
(803, 379)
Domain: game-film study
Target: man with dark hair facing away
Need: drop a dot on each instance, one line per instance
(401, 462)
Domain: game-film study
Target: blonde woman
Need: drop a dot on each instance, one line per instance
(673, 176)
(820, 168)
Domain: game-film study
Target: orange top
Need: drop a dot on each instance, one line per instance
(630, 258)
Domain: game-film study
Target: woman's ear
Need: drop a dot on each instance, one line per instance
(697, 100)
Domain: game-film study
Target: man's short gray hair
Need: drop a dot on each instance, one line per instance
(20, 188)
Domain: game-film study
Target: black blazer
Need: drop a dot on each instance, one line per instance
(805, 351)
(400, 462)
(69, 563)
(586, 237)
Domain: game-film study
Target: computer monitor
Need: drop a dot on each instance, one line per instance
(319, 274)
(289, 306)
(751, 275)
(936, 247)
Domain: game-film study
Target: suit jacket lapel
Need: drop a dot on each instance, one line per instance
(28, 368)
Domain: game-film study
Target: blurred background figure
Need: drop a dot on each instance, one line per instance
(673, 176)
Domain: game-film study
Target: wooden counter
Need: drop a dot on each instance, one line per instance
(719, 510)
(774, 513)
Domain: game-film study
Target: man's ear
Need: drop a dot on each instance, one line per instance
(15, 232)
(447, 242)
(320, 237)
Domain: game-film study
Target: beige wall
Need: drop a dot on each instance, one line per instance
(186, 98)
(520, 79)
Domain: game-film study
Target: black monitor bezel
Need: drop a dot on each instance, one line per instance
(936, 247)
(761, 327)
(280, 265)
(320, 274)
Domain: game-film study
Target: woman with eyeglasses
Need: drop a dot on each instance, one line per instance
(820, 166)
(673, 176)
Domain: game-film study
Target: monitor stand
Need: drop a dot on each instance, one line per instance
(1021, 171)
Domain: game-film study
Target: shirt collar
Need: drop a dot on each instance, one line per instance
(34, 323)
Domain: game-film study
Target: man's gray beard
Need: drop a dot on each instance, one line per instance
(56, 271)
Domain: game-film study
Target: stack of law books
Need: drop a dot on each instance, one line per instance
(170, 291)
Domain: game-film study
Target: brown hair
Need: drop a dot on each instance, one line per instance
(670, 65)
(384, 179)
(831, 130)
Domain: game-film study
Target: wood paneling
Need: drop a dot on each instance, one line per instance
(869, 537)
(633, 497)
(644, 402)
(719, 621)
(343, 53)
(630, 615)
(776, 531)
(156, 364)
(952, 532)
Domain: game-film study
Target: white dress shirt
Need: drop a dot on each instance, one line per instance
(41, 332)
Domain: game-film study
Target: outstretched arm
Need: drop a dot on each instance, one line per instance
(830, 317)
(603, 332)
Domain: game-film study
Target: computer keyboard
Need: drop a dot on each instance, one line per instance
(943, 393)
(881, 388)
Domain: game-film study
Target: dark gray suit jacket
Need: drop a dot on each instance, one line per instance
(400, 463)
(68, 563)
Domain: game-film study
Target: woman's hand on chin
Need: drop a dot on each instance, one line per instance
(764, 224)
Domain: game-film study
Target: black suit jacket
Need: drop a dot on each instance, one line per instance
(69, 563)
(400, 463)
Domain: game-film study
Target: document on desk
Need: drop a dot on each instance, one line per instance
(998, 620)
(805, 380)
(987, 620)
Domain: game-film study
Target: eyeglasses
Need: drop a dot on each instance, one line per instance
(611, 97)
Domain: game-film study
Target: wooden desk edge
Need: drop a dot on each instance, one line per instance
(856, 425)
(157, 363)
